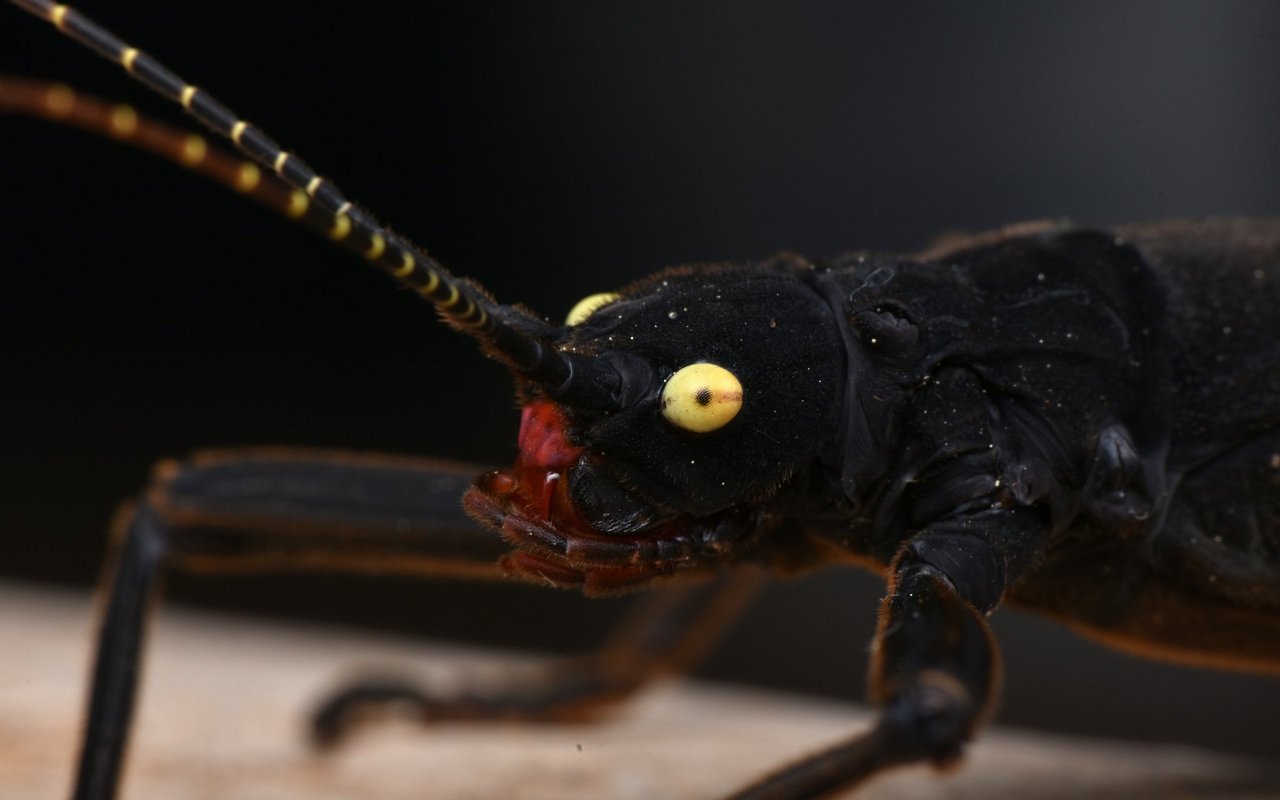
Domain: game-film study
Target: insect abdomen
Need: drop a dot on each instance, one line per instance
(1221, 528)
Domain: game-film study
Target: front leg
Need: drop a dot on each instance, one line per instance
(261, 509)
(935, 667)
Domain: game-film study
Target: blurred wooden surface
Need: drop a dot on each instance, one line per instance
(224, 701)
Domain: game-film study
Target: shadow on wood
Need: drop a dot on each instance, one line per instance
(224, 702)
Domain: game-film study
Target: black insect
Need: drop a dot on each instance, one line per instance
(1082, 422)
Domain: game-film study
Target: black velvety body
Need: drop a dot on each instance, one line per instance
(1097, 410)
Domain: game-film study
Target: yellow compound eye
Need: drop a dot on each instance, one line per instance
(701, 398)
(588, 306)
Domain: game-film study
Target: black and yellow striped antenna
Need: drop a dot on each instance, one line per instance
(507, 333)
(60, 103)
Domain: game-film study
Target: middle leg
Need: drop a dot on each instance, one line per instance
(667, 632)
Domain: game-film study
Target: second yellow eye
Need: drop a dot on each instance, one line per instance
(588, 306)
(701, 398)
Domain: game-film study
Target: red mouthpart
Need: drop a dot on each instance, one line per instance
(530, 506)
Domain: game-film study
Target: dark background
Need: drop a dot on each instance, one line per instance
(553, 150)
